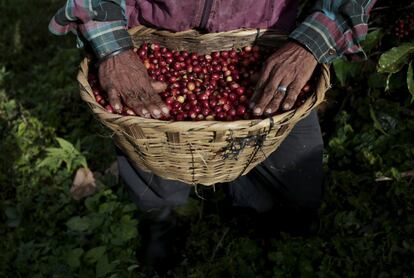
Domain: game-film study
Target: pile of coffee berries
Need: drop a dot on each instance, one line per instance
(404, 27)
(215, 86)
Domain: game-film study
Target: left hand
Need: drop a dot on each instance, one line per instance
(290, 67)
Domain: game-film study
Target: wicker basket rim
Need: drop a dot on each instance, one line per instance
(242, 32)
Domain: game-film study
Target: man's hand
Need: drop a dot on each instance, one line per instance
(125, 78)
(290, 67)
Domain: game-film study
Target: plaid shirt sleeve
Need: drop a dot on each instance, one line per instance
(335, 29)
(101, 22)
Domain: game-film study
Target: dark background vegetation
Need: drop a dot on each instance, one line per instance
(367, 221)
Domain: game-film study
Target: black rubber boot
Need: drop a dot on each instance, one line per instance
(157, 228)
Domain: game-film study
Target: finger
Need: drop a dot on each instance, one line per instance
(266, 97)
(264, 76)
(142, 93)
(292, 94)
(254, 99)
(157, 101)
(151, 101)
(139, 108)
(153, 109)
(158, 86)
(115, 100)
(274, 104)
(269, 92)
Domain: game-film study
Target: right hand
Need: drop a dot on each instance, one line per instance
(125, 78)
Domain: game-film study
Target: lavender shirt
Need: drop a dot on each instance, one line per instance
(220, 15)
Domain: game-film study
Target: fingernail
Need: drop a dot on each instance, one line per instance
(165, 110)
(257, 110)
(286, 107)
(251, 105)
(117, 107)
(268, 111)
(146, 113)
(156, 112)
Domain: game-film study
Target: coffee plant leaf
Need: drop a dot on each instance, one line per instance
(78, 224)
(66, 154)
(374, 118)
(410, 81)
(372, 40)
(94, 254)
(72, 257)
(394, 59)
(345, 70)
(103, 267)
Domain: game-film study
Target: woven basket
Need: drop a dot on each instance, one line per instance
(203, 152)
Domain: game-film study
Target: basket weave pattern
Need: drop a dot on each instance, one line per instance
(203, 152)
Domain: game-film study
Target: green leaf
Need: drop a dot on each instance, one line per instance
(377, 80)
(132, 267)
(396, 81)
(53, 159)
(372, 40)
(10, 107)
(108, 207)
(345, 70)
(78, 224)
(129, 208)
(410, 81)
(78, 145)
(95, 221)
(65, 145)
(11, 213)
(13, 217)
(72, 257)
(67, 154)
(374, 118)
(394, 59)
(93, 255)
(92, 202)
(103, 267)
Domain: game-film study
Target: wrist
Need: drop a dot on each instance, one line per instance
(305, 49)
(113, 54)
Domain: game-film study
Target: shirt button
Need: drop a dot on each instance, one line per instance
(332, 51)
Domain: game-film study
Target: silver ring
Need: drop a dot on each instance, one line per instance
(281, 89)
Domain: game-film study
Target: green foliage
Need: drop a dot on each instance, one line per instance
(372, 40)
(346, 71)
(410, 80)
(67, 154)
(394, 59)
